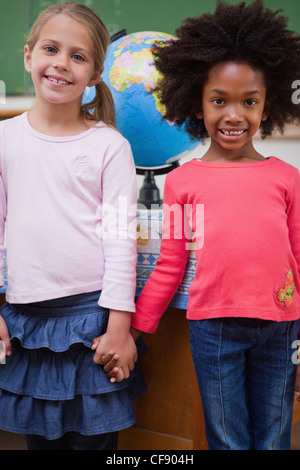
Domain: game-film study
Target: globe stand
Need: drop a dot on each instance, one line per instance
(149, 193)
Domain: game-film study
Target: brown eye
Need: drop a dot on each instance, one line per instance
(218, 101)
(250, 102)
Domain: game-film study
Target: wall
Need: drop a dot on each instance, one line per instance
(287, 148)
(17, 17)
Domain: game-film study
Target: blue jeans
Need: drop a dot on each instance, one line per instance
(246, 379)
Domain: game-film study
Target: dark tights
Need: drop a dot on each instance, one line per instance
(74, 441)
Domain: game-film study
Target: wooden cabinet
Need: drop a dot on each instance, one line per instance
(169, 415)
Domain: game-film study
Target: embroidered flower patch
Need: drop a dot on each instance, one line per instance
(285, 293)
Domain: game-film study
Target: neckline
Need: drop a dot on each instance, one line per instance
(264, 162)
(51, 138)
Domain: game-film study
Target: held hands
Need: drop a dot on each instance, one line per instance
(116, 349)
(118, 364)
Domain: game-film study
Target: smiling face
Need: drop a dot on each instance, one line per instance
(233, 105)
(62, 62)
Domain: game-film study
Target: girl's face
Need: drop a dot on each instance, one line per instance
(62, 62)
(233, 105)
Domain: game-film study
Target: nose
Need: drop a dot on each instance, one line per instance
(61, 62)
(234, 113)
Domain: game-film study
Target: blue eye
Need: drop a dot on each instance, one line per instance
(78, 57)
(50, 49)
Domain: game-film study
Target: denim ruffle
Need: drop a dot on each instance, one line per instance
(38, 327)
(86, 414)
(50, 384)
(60, 376)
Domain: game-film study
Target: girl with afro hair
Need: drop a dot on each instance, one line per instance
(228, 75)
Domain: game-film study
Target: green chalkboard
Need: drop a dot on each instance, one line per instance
(17, 16)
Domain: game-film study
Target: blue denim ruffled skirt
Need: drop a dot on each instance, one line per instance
(50, 384)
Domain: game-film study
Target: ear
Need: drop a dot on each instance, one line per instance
(199, 114)
(266, 111)
(96, 77)
(198, 110)
(27, 59)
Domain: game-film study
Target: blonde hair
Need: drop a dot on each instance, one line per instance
(102, 106)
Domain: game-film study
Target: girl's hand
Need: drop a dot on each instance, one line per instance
(116, 349)
(4, 336)
(297, 383)
(116, 365)
(108, 361)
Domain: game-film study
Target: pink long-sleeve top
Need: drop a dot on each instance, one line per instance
(245, 221)
(69, 207)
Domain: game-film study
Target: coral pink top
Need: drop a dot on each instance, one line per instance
(245, 220)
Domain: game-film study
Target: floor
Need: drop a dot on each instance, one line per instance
(9, 441)
(295, 436)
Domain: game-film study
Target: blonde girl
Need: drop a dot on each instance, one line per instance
(70, 280)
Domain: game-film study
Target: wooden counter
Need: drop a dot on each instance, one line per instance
(10, 113)
(15, 105)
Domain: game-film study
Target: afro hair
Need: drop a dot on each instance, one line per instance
(249, 34)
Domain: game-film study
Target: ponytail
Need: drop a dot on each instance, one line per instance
(102, 107)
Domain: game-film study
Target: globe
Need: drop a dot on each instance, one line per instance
(130, 74)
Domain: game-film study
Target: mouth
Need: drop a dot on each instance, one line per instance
(58, 81)
(233, 133)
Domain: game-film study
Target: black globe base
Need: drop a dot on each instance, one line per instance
(149, 193)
